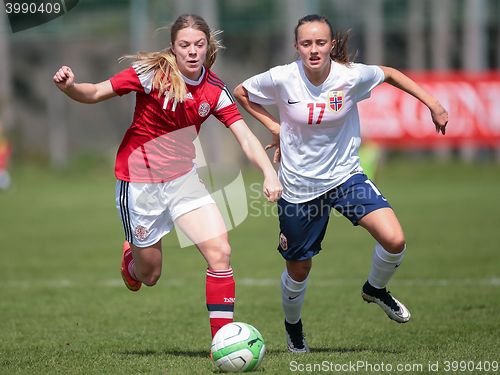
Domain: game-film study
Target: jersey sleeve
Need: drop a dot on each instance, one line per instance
(136, 78)
(226, 110)
(261, 89)
(370, 76)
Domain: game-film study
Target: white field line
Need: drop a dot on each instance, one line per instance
(493, 281)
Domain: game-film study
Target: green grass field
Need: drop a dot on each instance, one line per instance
(64, 310)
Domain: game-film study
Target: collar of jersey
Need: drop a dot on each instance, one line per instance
(198, 81)
(308, 83)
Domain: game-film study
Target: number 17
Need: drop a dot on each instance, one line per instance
(311, 112)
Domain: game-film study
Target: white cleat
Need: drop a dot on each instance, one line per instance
(394, 309)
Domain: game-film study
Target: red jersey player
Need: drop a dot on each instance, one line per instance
(157, 183)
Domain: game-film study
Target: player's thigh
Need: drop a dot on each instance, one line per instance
(145, 221)
(193, 210)
(360, 201)
(144, 215)
(302, 228)
(385, 227)
(202, 224)
(205, 227)
(357, 197)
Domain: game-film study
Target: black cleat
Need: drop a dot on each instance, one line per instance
(394, 309)
(295, 338)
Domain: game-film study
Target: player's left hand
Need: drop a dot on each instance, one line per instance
(439, 118)
(272, 188)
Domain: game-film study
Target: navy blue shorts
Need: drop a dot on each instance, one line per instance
(303, 225)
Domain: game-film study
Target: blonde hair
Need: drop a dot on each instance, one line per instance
(167, 78)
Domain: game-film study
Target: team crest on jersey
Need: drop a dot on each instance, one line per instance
(203, 109)
(140, 232)
(283, 242)
(336, 100)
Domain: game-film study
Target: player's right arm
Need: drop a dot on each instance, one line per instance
(256, 110)
(263, 116)
(64, 79)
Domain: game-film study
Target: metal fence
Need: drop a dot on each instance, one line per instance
(417, 35)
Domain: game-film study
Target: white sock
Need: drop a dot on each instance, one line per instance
(384, 264)
(292, 297)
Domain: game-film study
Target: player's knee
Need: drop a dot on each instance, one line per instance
(151, 279)
(395, 243)
(220, 255)
(223, 250)
(149, 276)
(299, 271)
(300, 275)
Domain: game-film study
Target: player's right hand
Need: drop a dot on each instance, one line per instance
(64, 78)
(272, 187)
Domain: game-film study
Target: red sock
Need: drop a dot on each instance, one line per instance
(220, 298)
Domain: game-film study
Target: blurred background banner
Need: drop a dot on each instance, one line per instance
(452, 47)
(395, 119)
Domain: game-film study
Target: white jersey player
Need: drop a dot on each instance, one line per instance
(317, 138)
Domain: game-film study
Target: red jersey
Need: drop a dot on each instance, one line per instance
(158, 145)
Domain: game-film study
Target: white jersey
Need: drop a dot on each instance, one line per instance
(320, 131)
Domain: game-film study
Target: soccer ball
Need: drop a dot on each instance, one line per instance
(237, 347)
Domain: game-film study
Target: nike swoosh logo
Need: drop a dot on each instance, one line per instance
(293, 102)
(292, 298)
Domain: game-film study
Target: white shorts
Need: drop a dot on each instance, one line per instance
(148, 211)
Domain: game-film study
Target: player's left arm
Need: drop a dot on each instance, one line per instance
(255, 153)
(397, 79)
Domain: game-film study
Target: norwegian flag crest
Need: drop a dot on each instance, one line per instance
(336, 100)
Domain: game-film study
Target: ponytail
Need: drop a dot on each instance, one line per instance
(214, 45)
(167, 78)
(340, 51)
